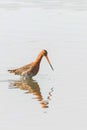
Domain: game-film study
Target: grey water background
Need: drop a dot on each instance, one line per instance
(27, 27)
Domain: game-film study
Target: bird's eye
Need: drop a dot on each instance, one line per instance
(45, 52)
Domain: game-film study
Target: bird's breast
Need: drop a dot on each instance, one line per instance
(35, 69)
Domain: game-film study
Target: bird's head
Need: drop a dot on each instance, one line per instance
(45, 53)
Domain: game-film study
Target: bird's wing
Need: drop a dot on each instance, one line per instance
(27, 71)
(20, 70)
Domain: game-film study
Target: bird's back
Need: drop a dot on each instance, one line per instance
(20, 70)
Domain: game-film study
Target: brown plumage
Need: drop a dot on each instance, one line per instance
(31, 69)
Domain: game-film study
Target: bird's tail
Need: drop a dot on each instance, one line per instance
(12, 71)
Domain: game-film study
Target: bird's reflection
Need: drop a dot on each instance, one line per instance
(32, 87)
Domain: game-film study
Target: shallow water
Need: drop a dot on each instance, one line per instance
(53, 99)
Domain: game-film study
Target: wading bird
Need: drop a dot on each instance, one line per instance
(30, 70)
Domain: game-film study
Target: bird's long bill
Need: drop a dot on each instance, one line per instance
(49, 62)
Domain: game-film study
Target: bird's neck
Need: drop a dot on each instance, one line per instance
(38, 59)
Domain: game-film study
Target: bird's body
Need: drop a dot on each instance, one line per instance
(31, 69)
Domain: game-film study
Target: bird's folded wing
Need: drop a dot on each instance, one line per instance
(27, 71)
(20, 70)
